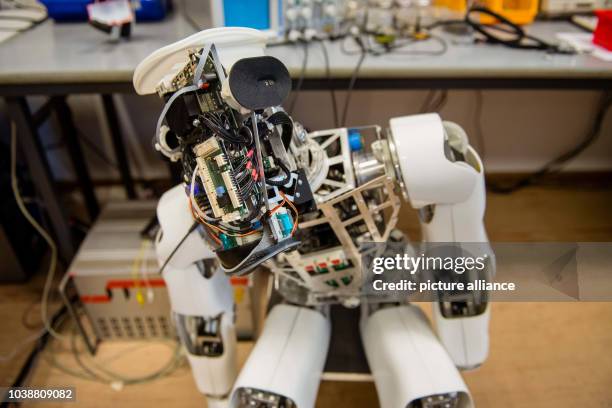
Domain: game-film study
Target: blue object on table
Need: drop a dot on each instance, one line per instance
(355, 140)
(247, 13)
(76, 10)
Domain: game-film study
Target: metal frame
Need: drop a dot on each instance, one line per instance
(319, 292)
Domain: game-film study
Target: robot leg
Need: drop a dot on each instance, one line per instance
(284, 369)
(201, 297)
(465, 338)
(410, 367)
(204, 316)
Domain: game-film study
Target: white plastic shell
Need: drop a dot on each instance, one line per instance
(232, 43)
(289, 356)
(429, 176)
(175, 220)
(466, 338)
(407, 360)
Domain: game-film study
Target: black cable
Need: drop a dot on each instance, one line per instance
(248, 134)
(284, 120)
(222, 132)
(521, 39)
(300, 82)
(282, 182)
(176, 248)
(556, 165)
(434, 101)
(441, 102)
(427, 102)
(351, 86)
(332, 93)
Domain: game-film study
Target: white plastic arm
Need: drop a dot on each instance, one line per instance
(444, 179)
(201, 298)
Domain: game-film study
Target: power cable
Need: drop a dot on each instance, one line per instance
(176, 248)
(353, 79)
(40, 230)
(512, 35)
(556, 165)
(298, 86)
(332, 93)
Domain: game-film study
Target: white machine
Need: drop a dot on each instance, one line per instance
(261, 192)
(555, 8)
(279, 19)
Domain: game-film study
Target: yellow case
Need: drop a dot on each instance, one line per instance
(517, 11)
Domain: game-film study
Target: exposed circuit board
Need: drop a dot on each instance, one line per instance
(218, 178)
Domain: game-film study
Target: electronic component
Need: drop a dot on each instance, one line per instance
(116, 276)
(233, 144)
(219, 183)
(250, 397)
(278, 18)
(450, 400)
(282, 224)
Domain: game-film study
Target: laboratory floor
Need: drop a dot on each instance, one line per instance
(542, 354)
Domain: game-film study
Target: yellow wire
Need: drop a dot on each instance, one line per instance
(136, 269)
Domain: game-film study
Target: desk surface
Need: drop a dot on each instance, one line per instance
(73, 53)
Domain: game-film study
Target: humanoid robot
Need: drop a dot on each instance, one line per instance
(259, 191)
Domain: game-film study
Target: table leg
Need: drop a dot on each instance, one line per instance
(29, 143)
(118, 145)
(71, 138)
